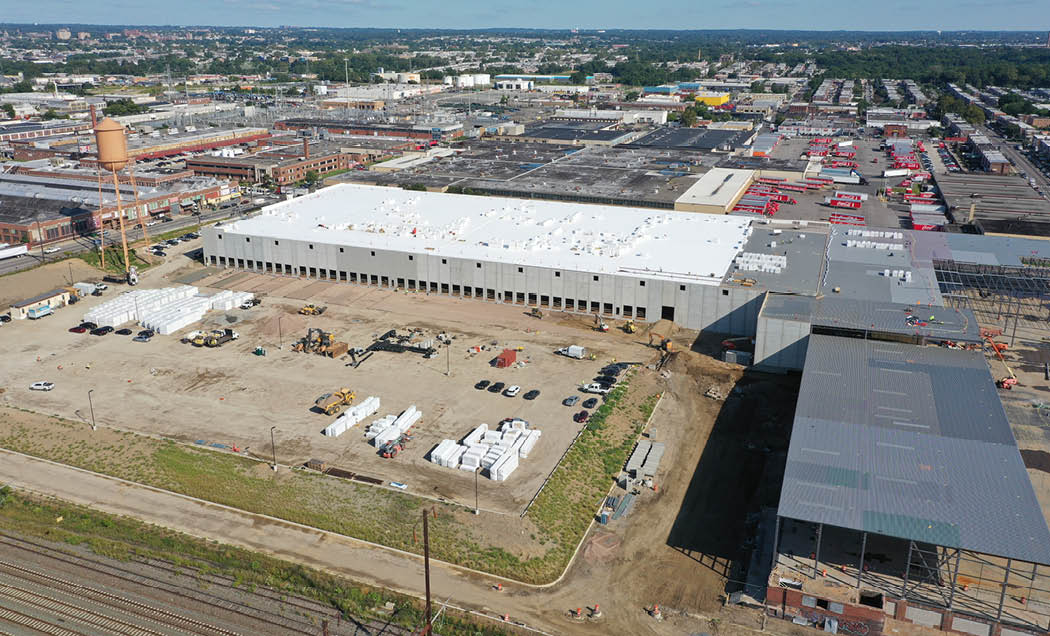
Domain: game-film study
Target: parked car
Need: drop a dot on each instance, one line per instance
(41, 386)
(102, 331)
(51, 250)
(580, 417)
(147, 333)
(78, 329)
(590, 403)
(88, 326)
(141, 339)
(605, 379)
(496, 387)
(5, 317)
(483, 384)
(512, 390)
(123, 332)
(571, 400)
(531, 395)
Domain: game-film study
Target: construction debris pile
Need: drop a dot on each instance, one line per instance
(164, 310)
(497, 452)
(320, 342)
(412, 342)
(390, 427)
(352, 416)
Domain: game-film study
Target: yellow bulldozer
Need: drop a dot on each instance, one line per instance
(312, 310)
(332, 403)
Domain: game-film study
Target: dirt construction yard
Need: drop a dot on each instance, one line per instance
(229, 396)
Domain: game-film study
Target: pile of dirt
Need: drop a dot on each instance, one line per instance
(1036, 460)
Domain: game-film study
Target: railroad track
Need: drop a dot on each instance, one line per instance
(286, 623)
(30, 622)
(116, 602)
(73, 613)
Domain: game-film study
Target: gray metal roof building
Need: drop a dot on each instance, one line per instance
(909, 442)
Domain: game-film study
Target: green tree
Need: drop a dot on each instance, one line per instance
(758, 87)
(688, 117)
(51, 114)
(25, 86)
(9, 110)
(935, 131)
(124, 106)
(578, 78)
(631, 96)
(312, 177)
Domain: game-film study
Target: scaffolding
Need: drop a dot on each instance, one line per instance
(1002, 295)
(854, 567)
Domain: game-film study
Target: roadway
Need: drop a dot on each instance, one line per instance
(1020, 161)
(80, 244)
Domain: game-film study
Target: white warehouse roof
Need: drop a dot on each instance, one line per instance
(574, 236)
(719, 187)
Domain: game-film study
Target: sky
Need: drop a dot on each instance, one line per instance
(866, 15)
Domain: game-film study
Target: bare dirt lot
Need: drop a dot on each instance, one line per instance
(676, 547)
(227, 395)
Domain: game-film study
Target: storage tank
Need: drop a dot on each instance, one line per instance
(482, 79)
(111, 145)
(465, 81)
(449, 80)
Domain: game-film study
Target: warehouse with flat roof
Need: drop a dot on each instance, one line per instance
(613, 261)
(716, 192)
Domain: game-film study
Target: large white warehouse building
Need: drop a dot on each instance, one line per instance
(616, 261)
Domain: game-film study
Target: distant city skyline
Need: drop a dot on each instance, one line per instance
(830, 15)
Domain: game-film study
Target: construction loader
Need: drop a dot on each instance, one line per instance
(312, 310)
(629, 327)
(332, 403)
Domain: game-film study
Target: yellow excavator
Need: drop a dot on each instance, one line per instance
(332, 403)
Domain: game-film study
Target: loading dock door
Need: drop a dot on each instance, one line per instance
(667, 313)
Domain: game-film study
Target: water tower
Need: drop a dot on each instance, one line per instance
(112, 153)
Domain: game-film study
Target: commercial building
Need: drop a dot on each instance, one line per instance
(154, 146)
(716, 192)
(283, 165)
(343, 127)
(711, 98)
(35, 130)
(618, 262)
(45, 209)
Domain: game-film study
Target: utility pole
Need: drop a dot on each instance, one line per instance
(426, 571)
(92, 407)
(273, 447)
(448, 359)
(477, 509)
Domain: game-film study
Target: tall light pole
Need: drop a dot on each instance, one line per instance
(92, 407)
(477, 509)
(346, 69)
(273, 446)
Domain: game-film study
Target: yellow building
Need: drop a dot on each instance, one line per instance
(712, 98)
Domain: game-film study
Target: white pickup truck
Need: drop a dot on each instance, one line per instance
(594, 387)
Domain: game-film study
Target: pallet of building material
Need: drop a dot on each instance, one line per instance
(624, 507)
(637, 458)
(652, 460)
